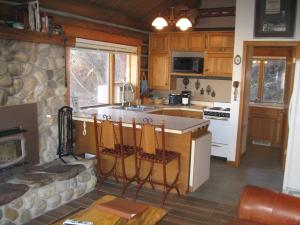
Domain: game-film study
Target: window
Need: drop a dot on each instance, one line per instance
(97, 76)
(89, 78)
(267, 80)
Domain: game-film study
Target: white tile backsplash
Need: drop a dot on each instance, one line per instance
(222, 89)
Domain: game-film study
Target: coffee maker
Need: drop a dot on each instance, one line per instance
(186, 97)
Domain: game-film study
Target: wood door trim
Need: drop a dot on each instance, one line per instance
(248, 44)
(111, 78)
(261, 80)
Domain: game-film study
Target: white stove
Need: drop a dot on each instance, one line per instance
(219, 127)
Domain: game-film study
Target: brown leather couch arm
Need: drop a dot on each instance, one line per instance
(266, 207)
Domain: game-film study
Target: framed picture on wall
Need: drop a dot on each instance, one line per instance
(275, 18)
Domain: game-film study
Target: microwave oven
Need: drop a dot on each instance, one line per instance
(186, 62)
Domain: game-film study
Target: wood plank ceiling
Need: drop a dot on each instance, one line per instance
(141, 9)
(134, 13)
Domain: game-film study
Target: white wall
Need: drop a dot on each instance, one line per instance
(244, 31)
(216, 22)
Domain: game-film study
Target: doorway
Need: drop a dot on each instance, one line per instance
(265, 95)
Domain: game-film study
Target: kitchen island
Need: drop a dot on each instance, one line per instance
(188, 136)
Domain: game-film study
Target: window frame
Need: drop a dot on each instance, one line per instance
(261, 77)
(134, 74)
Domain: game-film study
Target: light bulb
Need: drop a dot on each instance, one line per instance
(184, 23)
(159, 23)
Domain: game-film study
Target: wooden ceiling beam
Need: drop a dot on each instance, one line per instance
(94, 11)
(102, 28)
(75, 31)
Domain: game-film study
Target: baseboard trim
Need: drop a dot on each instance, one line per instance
(231, 163)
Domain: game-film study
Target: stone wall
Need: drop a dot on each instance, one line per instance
(29, 73)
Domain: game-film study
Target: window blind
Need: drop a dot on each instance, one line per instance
(105, 46)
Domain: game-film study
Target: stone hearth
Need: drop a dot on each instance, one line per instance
(43, 188)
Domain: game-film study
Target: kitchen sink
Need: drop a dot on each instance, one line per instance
(135, 107)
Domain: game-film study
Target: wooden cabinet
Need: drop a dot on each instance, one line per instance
(218, 64)
(178, 42)
(192, 42)
(265, 125)
(196, 41)
(220, 41)
(218, 58)
(159, 71)
(159, 42)
(192, 114)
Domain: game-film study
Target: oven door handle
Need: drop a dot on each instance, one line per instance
(216, 145)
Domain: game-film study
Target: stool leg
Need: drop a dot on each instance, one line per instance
(103, 176)
(143, 181)
(165, 194)
(115, 171)
(126, 185)
(126, 181)
(177, 176)
(167, 187)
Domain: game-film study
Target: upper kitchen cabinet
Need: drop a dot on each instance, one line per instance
(192, 42)
(196, 41)
(159, 42)
(178, 42)
(220, 41)
(218, 64)
(159, 66)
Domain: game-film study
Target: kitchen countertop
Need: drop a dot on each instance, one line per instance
(178, 125)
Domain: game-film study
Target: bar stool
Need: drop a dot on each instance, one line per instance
(107, 144)
(149, 151)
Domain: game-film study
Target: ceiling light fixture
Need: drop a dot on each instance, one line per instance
(183, 23)
(159, 22)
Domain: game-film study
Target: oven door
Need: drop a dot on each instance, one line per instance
(219, 150)
(220, 137)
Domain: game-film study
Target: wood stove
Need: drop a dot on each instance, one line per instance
(12, 147)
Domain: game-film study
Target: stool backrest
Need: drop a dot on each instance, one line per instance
(148, 138)
(107, 138)
(105, 133)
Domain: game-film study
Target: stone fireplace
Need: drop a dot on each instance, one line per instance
(34, 73)
(32, 89)
(12, 147)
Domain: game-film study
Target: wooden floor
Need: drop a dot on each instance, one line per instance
(184, 211)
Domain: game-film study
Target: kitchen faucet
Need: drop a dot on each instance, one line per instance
(127, 93)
